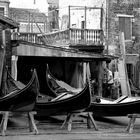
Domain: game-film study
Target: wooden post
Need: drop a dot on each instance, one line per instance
(2, 58)
(68, 120)
(32, 126)
(70, 116)
(85, 18)
(131, 123)
(14, 67)
(92, 120)
(100, 79)
(69, 16)
(29, 20)
(4, 121)
(85, 25)
(5, 117)
(101, 22)
(2, 51)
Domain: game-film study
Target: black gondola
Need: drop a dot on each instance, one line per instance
(77, 102)
(17, 97)
(123, 107)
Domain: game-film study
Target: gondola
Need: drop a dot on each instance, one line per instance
(76, 102)
(17, 97)
(120, 107)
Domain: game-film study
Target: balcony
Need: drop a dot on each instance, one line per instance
(82, 39)
(80, 27)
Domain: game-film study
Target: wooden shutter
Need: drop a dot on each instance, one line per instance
(126, 27)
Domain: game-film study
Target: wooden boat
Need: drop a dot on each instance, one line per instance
(75, 102)
(119, 107)
(17, 97)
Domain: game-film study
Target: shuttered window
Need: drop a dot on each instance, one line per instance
(125, 25)
(1, 11)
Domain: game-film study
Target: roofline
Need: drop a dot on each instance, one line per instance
(8, 22)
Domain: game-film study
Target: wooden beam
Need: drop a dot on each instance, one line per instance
(124, 81)
(2, 57)
(46, 51)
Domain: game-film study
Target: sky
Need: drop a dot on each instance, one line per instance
(40, 4)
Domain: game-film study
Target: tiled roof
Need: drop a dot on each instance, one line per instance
(24, 15)
(9, 23)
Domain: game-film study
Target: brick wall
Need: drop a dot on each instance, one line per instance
(125, 7)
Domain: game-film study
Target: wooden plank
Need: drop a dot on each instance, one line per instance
(125, 87)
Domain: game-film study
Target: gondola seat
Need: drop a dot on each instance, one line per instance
(62, 84)
(102, 100)
(62, 96)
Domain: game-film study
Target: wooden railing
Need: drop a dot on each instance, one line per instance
(65, 37)
(29, 37)
(75, 37)
(86, 36)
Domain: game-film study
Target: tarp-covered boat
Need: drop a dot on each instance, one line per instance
(17, 97)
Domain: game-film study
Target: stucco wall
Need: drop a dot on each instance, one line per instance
(5, 4)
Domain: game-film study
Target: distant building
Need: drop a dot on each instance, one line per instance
(124, 16)
(53, 14)
(6, 26)
(4, 7)
(31, 20)
(118, 16)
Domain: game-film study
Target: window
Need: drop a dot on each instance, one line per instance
(125, 25)
(1, 11)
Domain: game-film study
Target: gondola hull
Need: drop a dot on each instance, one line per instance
(117, 109)
(79, 101)
(75, 103)
(21, 99)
